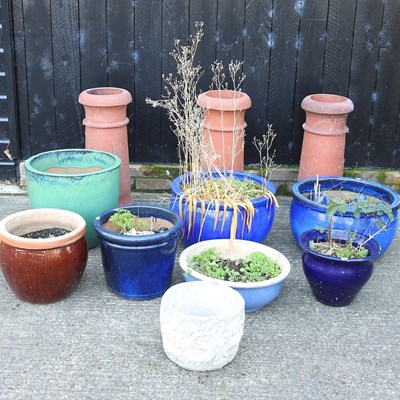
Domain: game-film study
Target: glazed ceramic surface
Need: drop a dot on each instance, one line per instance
(139, 267)
(257, 294)
(306, 214)
(84, 181)
(43, 270)
(201, 324)
(203, 227)
(335, 281)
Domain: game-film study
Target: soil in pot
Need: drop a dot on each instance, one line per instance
(140, 226)
(346, 195)
(256, 267)
(46, 233)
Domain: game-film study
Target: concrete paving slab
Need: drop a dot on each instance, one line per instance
(95, 345)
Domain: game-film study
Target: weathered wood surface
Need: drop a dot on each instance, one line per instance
(291, 48)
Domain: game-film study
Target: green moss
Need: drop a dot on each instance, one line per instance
(351, 173)
(381, 176)
(160, 171)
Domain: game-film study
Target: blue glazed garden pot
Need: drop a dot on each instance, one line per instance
(82, 181)
(307, 214)
(203, 218)
(335, 281)
(255, 294)
(139, 267)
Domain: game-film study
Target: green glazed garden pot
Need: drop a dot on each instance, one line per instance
(84, 181)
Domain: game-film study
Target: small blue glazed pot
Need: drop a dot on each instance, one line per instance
(336, 281)
(139, 267)
(83, 181)
(255, 294)
(307, 214)
(203, 218)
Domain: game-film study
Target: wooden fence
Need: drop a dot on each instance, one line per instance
(290, 48)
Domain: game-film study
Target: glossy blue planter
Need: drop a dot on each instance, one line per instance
(255, 294)
(306, 214)
(203, 227)
(335, 281)
(139, 267)
(83, 181)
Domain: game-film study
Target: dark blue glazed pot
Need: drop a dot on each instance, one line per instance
(307, 214)
(203, 219)
(139, 267)
(335, 281)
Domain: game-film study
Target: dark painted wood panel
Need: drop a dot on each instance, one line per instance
(291, 48)
(66, 60)
(283, 68)
(20, 68)
(339, 47)
(122, 56)
(363, 71)
(40, 76)
(148, 24)
(175, 23)
(93, 43)
(310, 63)
(258, 42)
(385, 140)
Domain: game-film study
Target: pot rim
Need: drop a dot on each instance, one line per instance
(299, 196)
(239, 301)
(17, 221)
(372, 245)
(30, 168)
(107, 96)
(177, 190)
(144, 240)
(224, 100)
(250, 247)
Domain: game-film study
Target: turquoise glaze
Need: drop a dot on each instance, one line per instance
(75, 187)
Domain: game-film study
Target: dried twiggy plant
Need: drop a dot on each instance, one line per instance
(203, 181)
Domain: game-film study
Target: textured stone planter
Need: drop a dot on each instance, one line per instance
(223, 127)
(325, 129)
(201, 325)
(106, 128)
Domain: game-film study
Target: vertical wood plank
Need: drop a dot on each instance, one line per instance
(258, 42)
(93, 43)
(311, 46)
(338, 47)
(230, 32)
(148, 83)
(21, 72)
(281, 94)
(122, 56)
(362, 82)
(40, 76)
(205, 11)
(175, 24)
(385, 141)
(65, 35)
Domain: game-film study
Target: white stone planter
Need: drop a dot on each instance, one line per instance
(201, 324)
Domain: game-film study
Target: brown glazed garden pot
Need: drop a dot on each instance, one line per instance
(106, 129)
(43, 270)
(224, 126)
(325, 129)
